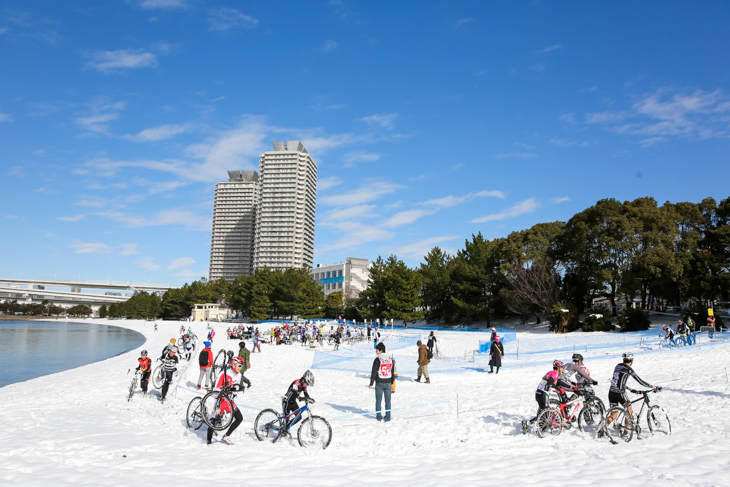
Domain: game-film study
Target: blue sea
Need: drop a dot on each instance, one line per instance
(30, 349)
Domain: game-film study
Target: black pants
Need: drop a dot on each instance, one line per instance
(237, 419)
(167, 382)
(543, 402)
(145, 380)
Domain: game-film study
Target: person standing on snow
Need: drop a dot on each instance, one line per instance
(245, 355)
(206, 365)
(423, 362)
(496, 352)
(431, 342)
(383, 378)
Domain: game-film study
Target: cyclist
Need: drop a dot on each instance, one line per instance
(552, 380)
(145, 367)
(682, 328)
(578, 373)
(668, 332)
(167, 348)
(169, 363)
(297, 391)
(232, 379)
(617, 391)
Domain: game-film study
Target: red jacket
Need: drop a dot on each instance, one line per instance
(210, 358)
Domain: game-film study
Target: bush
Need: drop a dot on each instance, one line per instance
(564, 318)
(598, 320)
(632, 319)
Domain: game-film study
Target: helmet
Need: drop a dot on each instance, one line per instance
(172, 340)
(143, 353)
(628, 357)
(172, 349)
(664, 327)
(577, 357)
(557, 364)
(241, 344)
(237, 361)
(308, 377)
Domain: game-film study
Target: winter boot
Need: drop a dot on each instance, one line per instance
(497, 371)
(227, 439)
(418, 379)
(491, 370)
(428, 380)
(524, 427)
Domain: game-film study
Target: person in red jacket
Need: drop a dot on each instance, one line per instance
(206, 365)
(145, 367)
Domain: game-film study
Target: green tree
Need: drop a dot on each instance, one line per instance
(103, 312)
(403, 294)
(436, 290)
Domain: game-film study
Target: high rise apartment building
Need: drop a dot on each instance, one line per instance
(234, 217)
(266, 219)
(286, 208)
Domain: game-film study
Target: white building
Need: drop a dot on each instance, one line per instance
(210, 312)
(286, 208)
(234, 218)
(350, 277)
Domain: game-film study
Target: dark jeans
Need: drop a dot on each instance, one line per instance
(381, 389)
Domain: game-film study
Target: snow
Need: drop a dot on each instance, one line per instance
(77, 428)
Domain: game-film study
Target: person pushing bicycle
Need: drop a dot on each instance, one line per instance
(617, 391)
(297, 392)
(230, 379)
(577, 372)
(145, 368)
(553, 380)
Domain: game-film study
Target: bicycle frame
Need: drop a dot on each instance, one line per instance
(295, 416)
(644, 402)
(577, 404)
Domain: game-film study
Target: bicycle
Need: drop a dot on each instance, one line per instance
(685, 340)
(587, 412)
(133, 385)
(216, 408)
(194, 415)
(313, 431)
(666, 342)
(624, 425)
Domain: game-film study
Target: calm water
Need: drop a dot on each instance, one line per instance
(30, 349)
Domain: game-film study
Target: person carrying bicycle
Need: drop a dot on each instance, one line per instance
(576, 372)
(231, 379)
(297, 391)
(167, 348)
(145, 368)
(553, 380)
(617, 391)
(169, 365)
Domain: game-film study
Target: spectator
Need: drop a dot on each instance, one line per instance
(205, 360)
(245, 356)
(423, 362)
(496, 353)
(256, 341)
(383, 378)
(431, 342)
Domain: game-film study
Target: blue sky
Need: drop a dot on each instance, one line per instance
(429, 120)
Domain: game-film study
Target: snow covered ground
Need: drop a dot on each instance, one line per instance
(77, 428)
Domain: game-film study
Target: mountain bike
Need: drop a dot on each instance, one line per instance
(133, 385)
(685, 340)
(588, 415)
(216, 408)
(314, 431)
(624, 425)
(194, 416)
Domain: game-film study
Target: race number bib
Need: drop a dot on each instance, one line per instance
(386, 368)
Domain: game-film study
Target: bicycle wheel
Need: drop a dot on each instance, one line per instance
(268, 425)
(621, 428)
(315, 432)
(658, 421)
(194, 415)
(158, 377)
(216, 409)
(132, 388)
(680, 342)
(549, 423)
(590, 418)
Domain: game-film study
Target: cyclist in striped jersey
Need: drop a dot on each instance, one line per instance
(169, 363)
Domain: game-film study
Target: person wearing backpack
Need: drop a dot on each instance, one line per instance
(496, 352)
(430, 344)
(423, 362)
(245, 355)
(206, 365)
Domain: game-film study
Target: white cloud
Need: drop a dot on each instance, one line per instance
(327, 183)
(17, 171)
(164, 4)
(515, 155)
(465, 21)
(449, 201)
(330, 46)
(89, 248)
(180, 217)
(354, 234)
(569, 143)
(351, 213)
(527, 206)
(6, 117)
(558, 200)
(180, 263)
(418, 250)
(129, 249)
(551, 48)
(148, 264)
(385, 120)
(603, 117)
(158, 133)
(100, 112)
(539, 67)
(352, 158)
(113, 61)
(406, 217)
(567, 118)
(91, 201)
(74, 218)
(222, 19)
(364, 194)
(590, 89)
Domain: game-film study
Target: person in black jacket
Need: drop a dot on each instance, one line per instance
(496, 352)
(383, 378)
